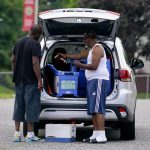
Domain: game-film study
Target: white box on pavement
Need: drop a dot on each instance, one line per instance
(60, 132)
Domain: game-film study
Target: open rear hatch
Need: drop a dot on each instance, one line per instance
(73, 23)
(76, 21)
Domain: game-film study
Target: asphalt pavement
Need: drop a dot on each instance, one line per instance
(142, 141)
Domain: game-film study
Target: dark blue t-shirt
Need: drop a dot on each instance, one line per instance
(24, 49)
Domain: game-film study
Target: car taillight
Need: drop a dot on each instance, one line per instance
(122, 111)
(124, 75)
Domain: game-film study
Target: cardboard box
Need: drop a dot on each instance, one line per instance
(60, 132)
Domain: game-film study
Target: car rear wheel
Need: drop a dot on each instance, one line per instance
(127, 130)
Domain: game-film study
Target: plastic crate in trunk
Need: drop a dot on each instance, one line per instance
(65, 82)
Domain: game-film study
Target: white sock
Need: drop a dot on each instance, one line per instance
(93, 135)
(30, 134)
(100, 136)
(100, 133)
(17, 133)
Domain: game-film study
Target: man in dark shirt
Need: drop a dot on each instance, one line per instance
(28, 82)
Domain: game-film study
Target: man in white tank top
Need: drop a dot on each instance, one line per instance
(97, 80)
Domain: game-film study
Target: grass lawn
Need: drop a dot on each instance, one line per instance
(143, 96)
(6, 92)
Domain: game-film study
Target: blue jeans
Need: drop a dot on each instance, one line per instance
(27, 103)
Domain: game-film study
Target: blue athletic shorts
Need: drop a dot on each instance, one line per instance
(96, 96)
(27, 103)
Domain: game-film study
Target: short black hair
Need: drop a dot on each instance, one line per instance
(35, 29)
(90, 34)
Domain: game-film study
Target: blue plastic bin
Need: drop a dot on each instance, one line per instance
(109, 88)
(65, 83)
(82, 83)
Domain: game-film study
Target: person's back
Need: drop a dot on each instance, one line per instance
(25, 48)
(28, 82)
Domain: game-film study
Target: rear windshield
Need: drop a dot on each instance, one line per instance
(102, 28)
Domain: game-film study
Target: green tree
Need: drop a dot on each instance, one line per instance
(68, 3)
(5, 63)
(57, 4)
(10, 29)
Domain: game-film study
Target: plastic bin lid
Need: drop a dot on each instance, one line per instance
(58, 72)
(52, 67)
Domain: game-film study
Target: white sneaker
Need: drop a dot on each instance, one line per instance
(99, 140)
(17, 138)
(32, 138)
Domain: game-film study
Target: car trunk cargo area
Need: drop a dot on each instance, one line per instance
(62, 78)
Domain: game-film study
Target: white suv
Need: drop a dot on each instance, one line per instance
(64, 97)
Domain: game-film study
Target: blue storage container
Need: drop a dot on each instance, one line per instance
(109, 88)
(82, 83)
(65, 82)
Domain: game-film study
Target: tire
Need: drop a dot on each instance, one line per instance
(36, 128)
(127, 131)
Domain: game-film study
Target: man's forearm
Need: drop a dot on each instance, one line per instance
(36, 68)
(73, 56)
(88, 66)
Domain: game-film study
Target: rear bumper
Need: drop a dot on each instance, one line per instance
(53, 113)
(71, 114)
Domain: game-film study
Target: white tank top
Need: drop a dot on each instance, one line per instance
(101, 72)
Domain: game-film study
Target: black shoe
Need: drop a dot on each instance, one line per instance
(95, 141)
(87, 140)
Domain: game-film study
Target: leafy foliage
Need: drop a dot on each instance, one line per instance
(10, 29)
(57, 4)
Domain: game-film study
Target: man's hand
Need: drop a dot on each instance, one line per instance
(62, 55)
(36, 68)
(40, 85)
(77, 63)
